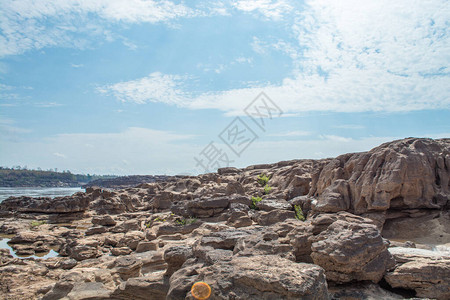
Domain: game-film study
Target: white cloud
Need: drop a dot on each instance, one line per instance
(258, 46)
(336, 138)
(291, 133)
(270, 9)
(47, 104)
(9, 131)
(35, 24)
(349, 126)
(60, 155)
(244, 60)
(351, 56)
(156, 87)
(5, 87)
(76, 66)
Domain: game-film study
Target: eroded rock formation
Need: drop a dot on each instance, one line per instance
(155, 240)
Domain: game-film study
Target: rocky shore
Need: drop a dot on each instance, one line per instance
(371, 225)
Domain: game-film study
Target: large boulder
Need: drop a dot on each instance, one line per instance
(267, 242)
(103, 220)
(131, 239)
(427, 272)
(256, 277)
(175, 258)
(153, 286)
(430, 227)
(272, 217)
(349, 247)
(120, 201)
(352, 251)
(272, 204)
(225, 239)
(82, 249)
(78, 202)
(126, 266)
(208, 207)
(407, 174)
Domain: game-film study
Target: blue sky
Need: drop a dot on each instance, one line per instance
(144, 87)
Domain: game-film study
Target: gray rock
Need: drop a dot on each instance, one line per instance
(78, 202)
(103, 220)
(144, 246)
(175, 258)
(256, 277)
(153, 286)
(427, 272)
(126, 226)
(208, 207)
(351, 251)
(272, 204)
(121, 251)
(408, 174)
(273, 216)
(95, 230)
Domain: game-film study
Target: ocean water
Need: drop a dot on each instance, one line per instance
(6, 192)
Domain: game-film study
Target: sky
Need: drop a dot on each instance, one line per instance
(184, 87)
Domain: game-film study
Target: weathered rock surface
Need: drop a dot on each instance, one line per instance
(69, 204)
(427, 272)
(104, 220)
(208, 207)
(404, 174)
(423, 226)
(261, 277)
(151, 287)
(352, 251)
(155, 240)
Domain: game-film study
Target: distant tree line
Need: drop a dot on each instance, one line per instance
(18, 176)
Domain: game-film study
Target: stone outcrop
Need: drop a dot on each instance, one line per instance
(427, 272)
(261, 277)
(78, 202)
(155, 240)
(351, 251)
(404, 174)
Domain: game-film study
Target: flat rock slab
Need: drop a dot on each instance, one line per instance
(427, 272)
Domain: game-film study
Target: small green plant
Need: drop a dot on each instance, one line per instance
(185, 221)
(267, 189)
(263, 179)
(255, 200)
(148, 225)
(158, 219)
(35, 224)
(299, 213)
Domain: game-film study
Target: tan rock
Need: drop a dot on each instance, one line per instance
(351, 251)
(409, 173)
(426, 272)
(144, 246)
(273, 216)
(131, 239)
(121, 251)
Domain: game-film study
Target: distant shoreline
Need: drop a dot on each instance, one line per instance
(6, 192)
(20, 177)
